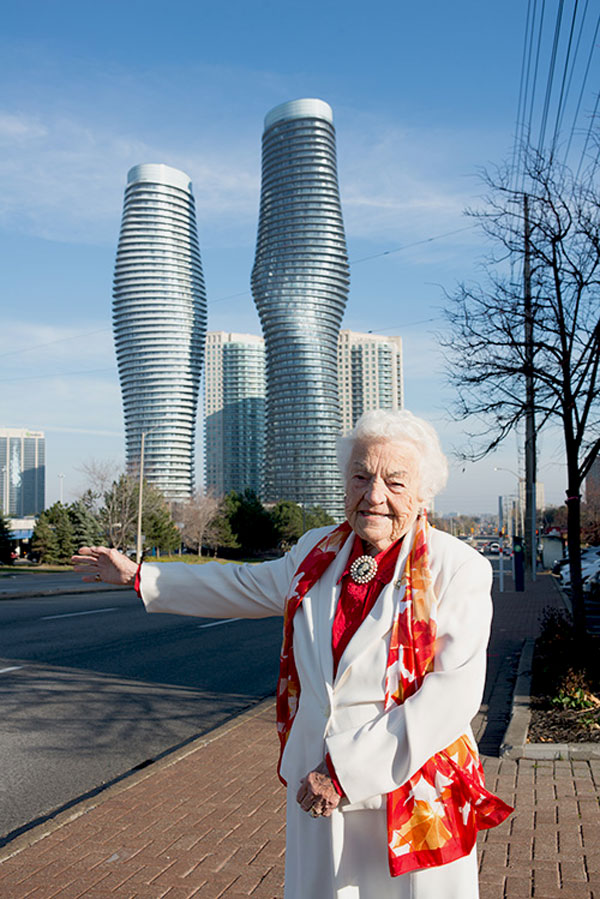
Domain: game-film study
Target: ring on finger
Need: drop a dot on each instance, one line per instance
(313, 812)
(97, 578)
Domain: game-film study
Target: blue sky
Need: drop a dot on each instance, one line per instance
(424, 95)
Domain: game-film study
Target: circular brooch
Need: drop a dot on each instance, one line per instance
(363, 569)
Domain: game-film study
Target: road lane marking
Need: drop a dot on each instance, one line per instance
(73, 614)
(12, 668)
(217, 623)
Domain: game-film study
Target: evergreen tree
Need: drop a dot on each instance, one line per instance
(317, 517)
(86, 527)
(63, 530)
(43, 541)
(5, 542)
(251, 523)
(160, 530)
(291, 520)
(286, 516)
(219, 534)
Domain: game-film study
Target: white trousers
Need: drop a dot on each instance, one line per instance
(345, 857)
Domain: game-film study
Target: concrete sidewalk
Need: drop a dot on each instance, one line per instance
(208, 821)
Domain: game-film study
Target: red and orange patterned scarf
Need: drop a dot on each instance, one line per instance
(434, 817)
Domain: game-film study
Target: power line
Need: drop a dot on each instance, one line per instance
(523, 81)
(58, 374)
(585, 75)
(537, 63)
(550, 78)
(230, 296)
(563, 95)
(415, 243)
(422, 321)
(38, 346)
(588, 135)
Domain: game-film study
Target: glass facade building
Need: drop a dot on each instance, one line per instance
(300, 285)
(370, 374)
(234, 412)
(159, 324)
(22, 472)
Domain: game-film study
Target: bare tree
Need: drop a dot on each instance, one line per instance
(99, 475)
(489, 358)
(196, 516)
(113, 497)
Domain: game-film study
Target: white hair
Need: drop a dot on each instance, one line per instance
(400, 427)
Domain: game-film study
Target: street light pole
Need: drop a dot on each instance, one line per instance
(138, 545)
(61, 478)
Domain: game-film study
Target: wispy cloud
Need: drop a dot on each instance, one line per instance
(63, 178)
(35, 347)
(19, 128)
(65, 164)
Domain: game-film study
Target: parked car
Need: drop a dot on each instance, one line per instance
(590, 566)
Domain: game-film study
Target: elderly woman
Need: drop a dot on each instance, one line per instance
(386, 622)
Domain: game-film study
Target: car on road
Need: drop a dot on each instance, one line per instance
(590, 566)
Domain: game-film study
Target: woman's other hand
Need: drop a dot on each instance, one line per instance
(98, 563)
(317, 794)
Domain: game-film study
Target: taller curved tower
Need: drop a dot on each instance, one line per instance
(300, 285)
(159, 324)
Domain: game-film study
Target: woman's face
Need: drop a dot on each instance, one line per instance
(381, 491)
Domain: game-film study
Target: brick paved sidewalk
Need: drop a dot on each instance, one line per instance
(209, 821)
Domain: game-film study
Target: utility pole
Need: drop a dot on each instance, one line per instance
(530, 450)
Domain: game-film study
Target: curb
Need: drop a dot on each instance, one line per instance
(515, 745)
(128, 780)
(57, 591)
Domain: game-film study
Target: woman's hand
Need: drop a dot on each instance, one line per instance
(317, 794)
(98, 563)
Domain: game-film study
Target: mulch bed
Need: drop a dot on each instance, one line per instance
(553, 723)
(550, 724)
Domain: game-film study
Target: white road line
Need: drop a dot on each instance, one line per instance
(13, 668)
(217, 623)
(73, 614)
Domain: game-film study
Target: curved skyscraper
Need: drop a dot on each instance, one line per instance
(159, 323)
(300, 285)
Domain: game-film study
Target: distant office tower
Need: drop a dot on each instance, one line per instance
(540, 494)
(370, 374)
(159, 322)
(300, 285)
(234, 410)
(592, 483)
(22, 472)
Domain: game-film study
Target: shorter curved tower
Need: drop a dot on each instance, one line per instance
(300, 285)
(159, 325)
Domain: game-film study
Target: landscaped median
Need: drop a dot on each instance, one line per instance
(556, 706)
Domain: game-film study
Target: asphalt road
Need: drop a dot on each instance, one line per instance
(19, 579)
(91, 686)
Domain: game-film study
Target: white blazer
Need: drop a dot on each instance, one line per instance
(373, 751)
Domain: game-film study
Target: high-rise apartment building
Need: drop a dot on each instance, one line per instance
(22, 472)
(234, 412)
(159, 323)
(370, 374)
(300, 285)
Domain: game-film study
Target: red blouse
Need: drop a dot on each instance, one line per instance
(354, 604)
(357, 600)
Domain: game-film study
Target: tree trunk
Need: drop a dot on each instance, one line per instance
(574, 547)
